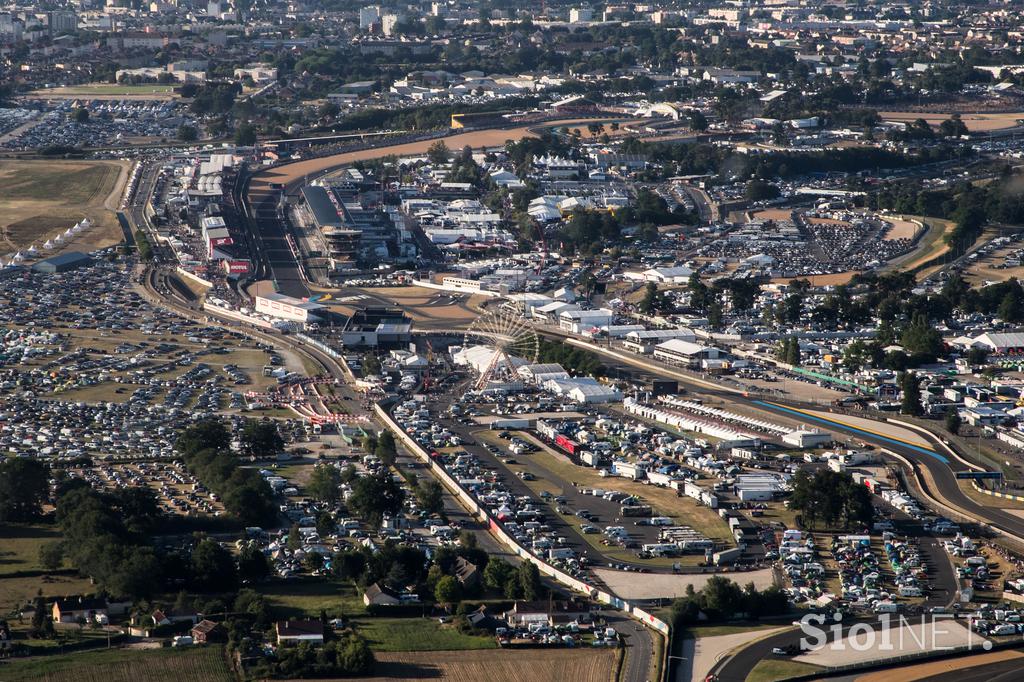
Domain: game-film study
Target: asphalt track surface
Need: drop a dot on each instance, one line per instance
(262, 192)
(940, 481)
(1003, 671)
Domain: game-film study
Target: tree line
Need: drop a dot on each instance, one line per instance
(205, 448)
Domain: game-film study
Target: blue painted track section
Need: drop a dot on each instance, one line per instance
(848, 427)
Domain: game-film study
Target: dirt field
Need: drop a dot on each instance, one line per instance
(901, 229)
(480, 138)
(41, 199)
(426, 307)
(923, 671)
(536, 665)
(932, 244)
(984, 269)
(821, 280)
(976, 123)
(774, 214)
(666, 585)
(906, 639)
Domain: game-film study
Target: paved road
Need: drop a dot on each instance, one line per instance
(1003, 671)
(275, 257)
(933, 460)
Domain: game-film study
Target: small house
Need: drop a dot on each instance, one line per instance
(74, 609)
(379, 595)
(295, 631)
(208, 632)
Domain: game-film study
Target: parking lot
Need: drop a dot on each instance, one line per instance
(104, 374)
(110, 122)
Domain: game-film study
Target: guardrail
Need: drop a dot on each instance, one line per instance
(495, 528)
(993, 493)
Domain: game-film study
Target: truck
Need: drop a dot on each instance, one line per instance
(727, 556)
(886, 607)
(635, 510)
(566, 444)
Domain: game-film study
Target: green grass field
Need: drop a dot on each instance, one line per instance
(19, 546)
(306, 598)
(109, 89)
(773, 670)
(417, 634)
(201, 664)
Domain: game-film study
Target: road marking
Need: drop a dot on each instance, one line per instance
(836, 422)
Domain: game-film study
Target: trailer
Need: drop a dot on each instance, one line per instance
(567, 444)
(635, 510)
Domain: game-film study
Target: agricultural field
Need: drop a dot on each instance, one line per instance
(535, 665)
(206, 664)
(39, 200)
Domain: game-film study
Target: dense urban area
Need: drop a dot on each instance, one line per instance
(504, 341)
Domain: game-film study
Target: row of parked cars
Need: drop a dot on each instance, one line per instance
(523, 516)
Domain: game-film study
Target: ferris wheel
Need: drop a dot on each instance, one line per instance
(507, 332)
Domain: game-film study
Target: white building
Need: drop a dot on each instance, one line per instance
(585, 390)
(287, 308)
(578, 321)
(680, 352)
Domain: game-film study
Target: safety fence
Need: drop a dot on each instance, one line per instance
(496, 529)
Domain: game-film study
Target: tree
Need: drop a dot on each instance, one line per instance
(830, 497)
(356, 657)
(261, 439)
(325, 484)
(1011, 307)
(386, 449)
(977, 356)
(253, 564)
(910, 386)
(371, 365)
(430, 496)
(208, 434)
(953, 127)
(529, 580)
(24, 487)
(213, 568)
(245, 136)
(294, 538)
(51, 555)
(721, 598)
(922, 339)
(759, 190)
(438, 153)
(953, 421)
(80, 115)
(698, 121)
(42, 623)
(651, 300)
(187, 133)
(448, 590)
(376, 496)
(498, 573)
(329, 110)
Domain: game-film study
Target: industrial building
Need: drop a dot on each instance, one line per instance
(71, 260)
(377, 327)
